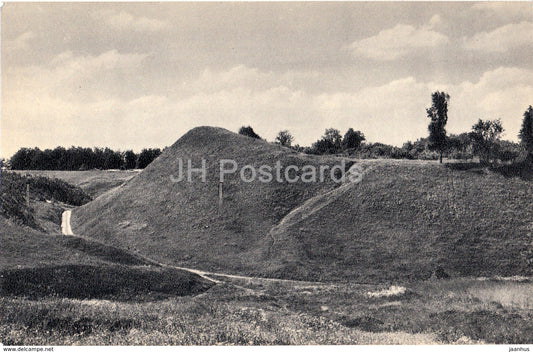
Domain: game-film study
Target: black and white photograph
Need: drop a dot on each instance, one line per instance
(266, 174)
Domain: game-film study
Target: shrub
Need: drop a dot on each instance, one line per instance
(249, 132)
(13, 195)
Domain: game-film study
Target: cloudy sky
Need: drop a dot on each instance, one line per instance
(140, 75)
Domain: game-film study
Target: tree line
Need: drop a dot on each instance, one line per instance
(482, 141)
(78, 158)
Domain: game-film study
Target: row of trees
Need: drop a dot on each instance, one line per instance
(78, 158)
(331, 142)
(484, 138)
(482, 141)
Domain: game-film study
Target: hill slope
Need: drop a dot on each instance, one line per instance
(35, 264)
(404, 221)
(93, 182)
(181, 222)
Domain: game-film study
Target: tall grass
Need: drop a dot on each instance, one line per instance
(174, 322)
(274, 313)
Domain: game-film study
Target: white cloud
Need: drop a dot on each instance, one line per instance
(70, 77)
(393, 43)
(503, 93)
(45, 112)
(434, 21)
(19, 43)
(506, 10)
(127, 22)
(242, 76)
(502, 39)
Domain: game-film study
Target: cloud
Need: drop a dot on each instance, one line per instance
(434, 21)
(502, 39)
(19, 43)
(242, 76)
(509, 11)
(46, 112)
(125, 21)
(393, 43)
(71, 77)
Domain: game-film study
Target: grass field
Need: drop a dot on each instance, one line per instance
(266, 313)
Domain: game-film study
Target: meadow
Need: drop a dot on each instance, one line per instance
(258, 312)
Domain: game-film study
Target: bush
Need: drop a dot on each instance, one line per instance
(249, 132)
(147, 156)
(13, 188)
(13, 195)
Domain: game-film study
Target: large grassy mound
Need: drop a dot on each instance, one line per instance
(405, 220)
(182, 222)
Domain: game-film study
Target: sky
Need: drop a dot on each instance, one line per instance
(138, 75)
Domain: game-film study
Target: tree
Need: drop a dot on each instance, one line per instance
(147, 156)
(526, 132)
(130, 160)
(485, 136)
(508, 151)
(285, 138)
(112, 159)
(438, 113)
(330, 143)
(21, 160)
(352, 139)
(248, 131)
(460, 146)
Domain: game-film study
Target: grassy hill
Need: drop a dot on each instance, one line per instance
(182, 222)
(93, 182)
(406, 220)
(44, 195)
(37, 261)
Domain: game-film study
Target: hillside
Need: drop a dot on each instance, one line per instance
(45, 195)
(93, 182)
(181, 222)
(404, 221)
(35, 264)
(409, 220)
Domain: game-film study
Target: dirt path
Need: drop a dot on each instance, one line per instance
(66, 230)
(65, 223)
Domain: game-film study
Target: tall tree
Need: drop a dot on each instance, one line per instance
(352, 139)
(438, 114)
(285, 138)
(485, 136)
(526, 132)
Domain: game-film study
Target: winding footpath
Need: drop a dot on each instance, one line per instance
(67, 231)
